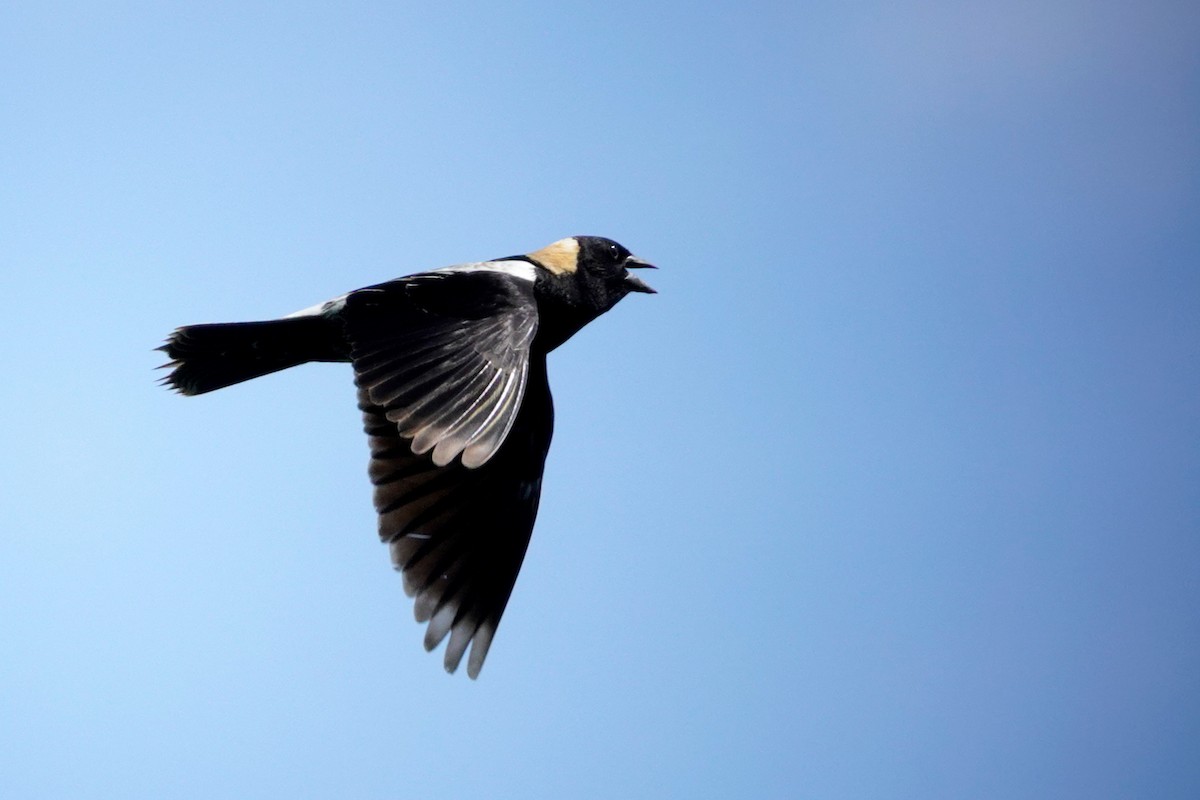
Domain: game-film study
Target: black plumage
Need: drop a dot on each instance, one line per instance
(451, 373)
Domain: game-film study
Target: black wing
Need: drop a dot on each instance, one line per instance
(442, 363)
(446, 357)
(459, 534)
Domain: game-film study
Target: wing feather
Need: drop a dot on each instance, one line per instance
(446, 358)
(458, 534)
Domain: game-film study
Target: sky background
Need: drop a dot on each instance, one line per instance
(893, 491)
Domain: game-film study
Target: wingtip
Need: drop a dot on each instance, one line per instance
(480, 645)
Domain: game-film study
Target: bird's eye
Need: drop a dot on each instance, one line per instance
(614, 251)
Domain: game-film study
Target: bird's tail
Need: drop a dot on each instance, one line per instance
(207, 357)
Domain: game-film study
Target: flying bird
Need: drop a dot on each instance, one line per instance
(450, 367)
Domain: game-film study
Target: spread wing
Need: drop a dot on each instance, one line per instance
(459, 534)
(445, 356)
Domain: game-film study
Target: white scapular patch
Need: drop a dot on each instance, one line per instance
(518, 269)
(328, 307)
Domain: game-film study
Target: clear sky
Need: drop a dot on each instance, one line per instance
(893, 491)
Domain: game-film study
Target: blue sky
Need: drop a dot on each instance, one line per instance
(893, 490)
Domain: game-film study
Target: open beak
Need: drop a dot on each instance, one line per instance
(637, 284)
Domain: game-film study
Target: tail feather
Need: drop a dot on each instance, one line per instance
(208, 357)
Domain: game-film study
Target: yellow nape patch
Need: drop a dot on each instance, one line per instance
(561, 258)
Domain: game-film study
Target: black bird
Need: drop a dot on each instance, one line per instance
(451, 373)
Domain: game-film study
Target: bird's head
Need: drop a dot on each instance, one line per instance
(593, 269)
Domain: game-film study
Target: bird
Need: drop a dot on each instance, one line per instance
(450, 370)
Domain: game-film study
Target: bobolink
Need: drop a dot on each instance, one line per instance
(451, 373)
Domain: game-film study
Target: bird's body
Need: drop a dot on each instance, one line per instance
(451, 373)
